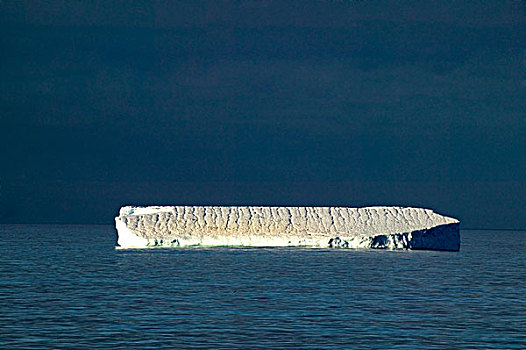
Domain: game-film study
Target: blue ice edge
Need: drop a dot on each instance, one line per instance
(442, 237)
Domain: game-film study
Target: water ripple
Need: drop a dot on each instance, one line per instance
(64, 287)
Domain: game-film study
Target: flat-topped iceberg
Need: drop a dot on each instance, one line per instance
(334, 227)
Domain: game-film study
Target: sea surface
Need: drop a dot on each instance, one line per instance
(67, 287)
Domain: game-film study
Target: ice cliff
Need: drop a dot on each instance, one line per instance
(335, 227)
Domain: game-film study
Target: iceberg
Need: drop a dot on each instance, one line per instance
(262, 226)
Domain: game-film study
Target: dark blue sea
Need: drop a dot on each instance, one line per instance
(67, 287)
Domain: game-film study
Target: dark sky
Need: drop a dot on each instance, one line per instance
(352, 103)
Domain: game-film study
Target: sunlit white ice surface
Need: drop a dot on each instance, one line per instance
(335, 227)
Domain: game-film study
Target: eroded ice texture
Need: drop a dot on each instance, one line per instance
(337, 227)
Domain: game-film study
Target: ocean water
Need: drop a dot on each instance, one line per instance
(67, 287)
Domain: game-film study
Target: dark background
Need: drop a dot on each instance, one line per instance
(351, 103)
